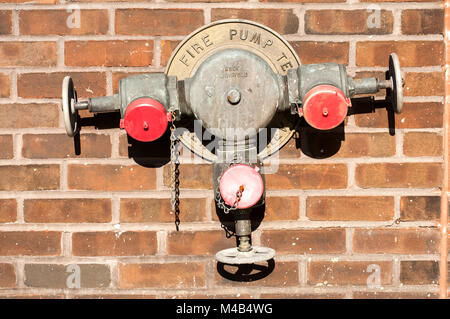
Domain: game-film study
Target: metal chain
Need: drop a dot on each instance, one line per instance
(175, 177)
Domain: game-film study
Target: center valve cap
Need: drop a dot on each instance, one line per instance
(245, 178)
(145, 119)
(325, 107)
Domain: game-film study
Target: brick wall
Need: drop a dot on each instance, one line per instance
(375, 202)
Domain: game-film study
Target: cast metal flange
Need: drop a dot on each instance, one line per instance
(233, 256)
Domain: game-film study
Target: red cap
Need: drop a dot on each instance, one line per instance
(237, 176)
(145, 119)
(325, 107)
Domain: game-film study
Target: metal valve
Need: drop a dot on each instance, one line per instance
(238, 78)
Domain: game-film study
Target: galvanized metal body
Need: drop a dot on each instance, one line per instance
(237, 77)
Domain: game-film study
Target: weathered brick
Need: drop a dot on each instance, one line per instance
(329, 295)
(60, 276)
(74, 210)
(5, 85)
(283, 21)
(30, 243)
(423, 21)
(196, 243)
(29, 177)
(114, 296)
(305, 241)
(285, 274)
(396, 241)
(158, 21)
(419, 272)
(63, 22)
(350, 208)
(111, 177)
(144, 210)
(311, 52)
(422, 144)
(394, 295)
(344, 273)
(109, 53)
(167, 275)
(414, 208)
(291, 149)
(198, 176)
(14, 53)
(87, 84)
(424, 84)
(7, 276)
(8, 210)
(29, 115)
(410, 175)
(117, 76)
(6, 147)
(167, 47)
(308, 176)
(5, 22)
(414, 115)
(410, 53)
(62, 146)
(34, 1)
(347, 22)
(282, 208)
(114, 243)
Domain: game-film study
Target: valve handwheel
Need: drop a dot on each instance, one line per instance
(395, 94)
(69, 98)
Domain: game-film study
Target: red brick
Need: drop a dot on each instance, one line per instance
(114, 243)
(76, 210)
(167, 47)
(305, 241)
(419, 272)
(281, 208)
(423, 21)
(197, 176)
(117, 76)
(410, 53)
(311, 52)
(26, 1)
(8, 210)
(283, 21)
(350, 208)
(7, 276)
(87, 84)
(111, 177)
(114, 296)
(158, 21)
(57, 275)
(166, 275)
(415, 115)
(346, 22)
(158, 210)
(424, 84)
(6, 147)
(291, 149)
(304, 1)
(5, 22)
(29, 177)
(109, 53)
(414, 208)
(285, 274)
(396, 241)
(13, 53)
(397, 1)
(329, 295)
(29, 115)
(58, 22)
(410, 175)
(197, 242)
(422, 144)
(343, 273)
(5, 85)
(308, 176)
(61, 146)
(30, 243)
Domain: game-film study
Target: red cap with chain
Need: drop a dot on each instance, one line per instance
(145, 119)
(244, 178)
